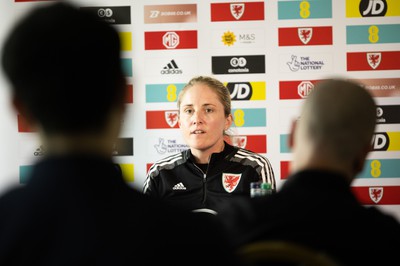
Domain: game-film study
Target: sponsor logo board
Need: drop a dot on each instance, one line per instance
(239, 64)
(247, 91)
(372, 8)
(386, 141)
(111, 14)
(297, 9)
(370, 34)
(285, 169)
(238, 38)
(383, 87)
(255, 143)
(237, 11)
(377, 195)
(366, 61)
(183, 13)
(128, 171)
(381, 168)
(123, 147)
(283, 140)
(309, 63)
(249, 117)
(166, 145)
(296, 89)
(174, 67)
(168, 40)
(127, 66)
(162, 119)
(298, 36)
(126, 41)
(161, 93)
(388, 114)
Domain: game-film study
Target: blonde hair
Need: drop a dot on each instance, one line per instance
(217, 86)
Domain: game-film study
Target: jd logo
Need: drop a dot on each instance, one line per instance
(240, 90)
(373, 8)
(380, 141)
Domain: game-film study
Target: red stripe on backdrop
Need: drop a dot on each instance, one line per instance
(255, 143)
(252, 11)
(148, 165)
(364, 61)
(290, 90)
(161, 119)
(318, 36)
(381, 195)
(156, 41)
(23, 126)
(129, 94)
(284, 169)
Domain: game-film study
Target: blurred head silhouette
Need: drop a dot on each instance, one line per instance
(65, 72)
(335, 128)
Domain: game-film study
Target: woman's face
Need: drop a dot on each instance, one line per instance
(202, 119)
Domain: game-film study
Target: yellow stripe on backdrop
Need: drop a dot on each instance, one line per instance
(126, 41)
(394, 137)
(127, 172)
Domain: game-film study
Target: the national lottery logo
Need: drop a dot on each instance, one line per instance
(169, 145)
(237, 10)
(294, 64)
(376, 194)
(307, 63)
(305, 34)
(171, 117)
(374, 59)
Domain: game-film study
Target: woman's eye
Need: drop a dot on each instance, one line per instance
(188, 111)
(209, 110)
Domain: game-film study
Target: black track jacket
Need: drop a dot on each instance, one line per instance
(180, 182)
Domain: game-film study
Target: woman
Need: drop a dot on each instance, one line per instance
(211, 171)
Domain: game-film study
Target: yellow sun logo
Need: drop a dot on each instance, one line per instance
(228, 38)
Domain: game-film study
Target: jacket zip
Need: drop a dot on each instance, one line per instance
(204, 181)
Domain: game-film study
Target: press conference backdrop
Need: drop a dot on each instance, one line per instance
(270, 54)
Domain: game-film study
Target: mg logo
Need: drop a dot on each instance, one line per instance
(305, 88)
(170, 40)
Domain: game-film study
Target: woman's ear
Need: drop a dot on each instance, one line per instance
(228, 122)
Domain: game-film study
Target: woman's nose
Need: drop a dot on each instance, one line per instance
(197, 118)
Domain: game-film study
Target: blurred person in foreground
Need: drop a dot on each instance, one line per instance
(316, 206)
(211, 171)
(66, 80)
